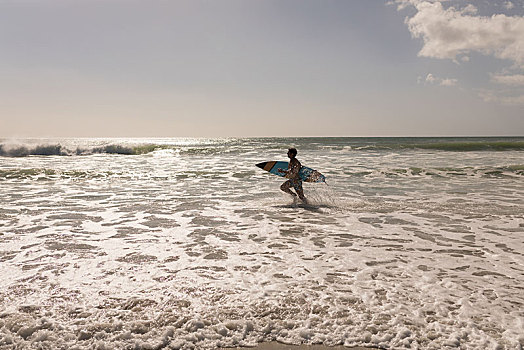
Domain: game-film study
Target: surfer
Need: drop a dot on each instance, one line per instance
(292, 174)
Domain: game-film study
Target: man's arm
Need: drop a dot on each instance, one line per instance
(287, 172)
(292, 170)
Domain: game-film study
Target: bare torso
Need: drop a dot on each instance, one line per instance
(293, 169)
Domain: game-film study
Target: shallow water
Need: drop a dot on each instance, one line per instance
(183, 243)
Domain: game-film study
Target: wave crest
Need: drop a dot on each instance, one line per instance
(449, 146)
(509, 170)
(217, 146)
(60, 150)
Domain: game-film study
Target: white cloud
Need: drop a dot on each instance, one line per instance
(401, 4)
(449, 82)
(470, 9)
(449, 33)
(431, 80)
(505, 99)
(512, 80)
(509, 5)
(453, 33)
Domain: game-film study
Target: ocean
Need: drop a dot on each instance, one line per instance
(183, 243)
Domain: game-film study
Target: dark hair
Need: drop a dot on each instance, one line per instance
(293, 151)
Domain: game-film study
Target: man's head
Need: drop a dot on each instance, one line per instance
(292, 152)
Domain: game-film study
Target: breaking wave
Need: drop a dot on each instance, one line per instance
(60, 150)
(42, 173)
(270, 144)
(7, 150)
(509, 170)
(467, 146)
(393, 144)
(515, 171)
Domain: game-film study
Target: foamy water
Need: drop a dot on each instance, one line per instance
(184, 243)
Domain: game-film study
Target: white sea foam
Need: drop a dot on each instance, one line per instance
(193, 246)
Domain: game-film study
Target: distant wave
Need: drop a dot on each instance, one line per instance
(42, 173)
(473, 146)
(60, 150)
(464, 146)
(458, 144)
(502, 171)
(270, 144)
(515, 171)
(22, 151)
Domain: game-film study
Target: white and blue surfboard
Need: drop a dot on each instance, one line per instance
(305, 173)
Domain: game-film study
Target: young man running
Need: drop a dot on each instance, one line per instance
(292, 174)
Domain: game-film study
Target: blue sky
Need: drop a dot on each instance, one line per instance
(261, 68)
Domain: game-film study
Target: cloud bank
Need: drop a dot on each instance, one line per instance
(512, 80)
(449, 33)
(453, 33)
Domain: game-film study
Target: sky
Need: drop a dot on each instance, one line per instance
(240, 68)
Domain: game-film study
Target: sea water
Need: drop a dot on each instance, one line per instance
(184, 243)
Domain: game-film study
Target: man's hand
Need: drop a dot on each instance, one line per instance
(280, 170)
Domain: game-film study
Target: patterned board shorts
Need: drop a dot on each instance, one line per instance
(296, 183)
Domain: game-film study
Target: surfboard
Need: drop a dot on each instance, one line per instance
(305, 173)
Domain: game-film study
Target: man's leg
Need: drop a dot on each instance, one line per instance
(297, 185)
(301, 195)
(286, 188)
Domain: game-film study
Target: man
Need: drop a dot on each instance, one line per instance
(292, 174)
